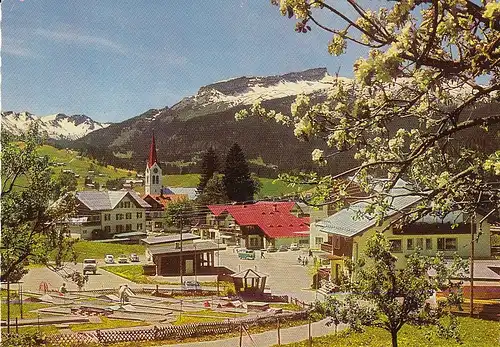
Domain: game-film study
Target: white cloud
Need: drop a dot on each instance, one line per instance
(17, 48)
(82, 39)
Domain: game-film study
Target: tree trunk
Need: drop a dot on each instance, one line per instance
(394, 336)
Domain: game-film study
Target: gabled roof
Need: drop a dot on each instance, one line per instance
(188, 247)
(349, 222)
(107, 200)
(189, 191)
(164, 199)
(274, 218)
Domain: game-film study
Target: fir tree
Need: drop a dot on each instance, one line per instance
(209, 165)
(237, 180)
(214, 192)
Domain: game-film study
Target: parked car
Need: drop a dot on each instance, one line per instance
(134, 258)
(89, 265)
(191, 285)
(283, 248)
(246, 254)
(122, 259)
(109, 259)
(271, 249)
(294, 247)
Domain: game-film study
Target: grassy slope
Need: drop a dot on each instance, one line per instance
(82, 165)
(473, 332)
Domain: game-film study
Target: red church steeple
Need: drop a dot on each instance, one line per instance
(152, 152)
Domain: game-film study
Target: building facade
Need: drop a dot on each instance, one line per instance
(259, 225)
(100, 215)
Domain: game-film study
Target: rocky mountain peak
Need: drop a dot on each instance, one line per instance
(242, 84)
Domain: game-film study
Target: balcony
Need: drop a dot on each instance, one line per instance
(326, 247)
(344, 250)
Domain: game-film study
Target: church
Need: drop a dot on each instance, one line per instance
(156, 195)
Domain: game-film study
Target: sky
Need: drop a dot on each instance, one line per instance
(113, 60)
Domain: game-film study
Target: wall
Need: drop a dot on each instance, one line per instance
(134, 221)
(482, 247)
(289, 240)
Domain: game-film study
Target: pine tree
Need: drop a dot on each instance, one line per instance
(209, 165)
(214, 192)
(237, 180)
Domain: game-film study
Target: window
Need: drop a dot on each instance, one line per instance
(117, 216)
(336, 242)
(128, 215)
(128, 227)
(447, 244)
(410, 245)
(303, 241)
(107, 228)
(396, 245)
(139, 214)
(420, 243)
(158, 224)
(318, 240)
(107, 216)
(119, 228)
(139, 226)
(127, 204)
(428, 244)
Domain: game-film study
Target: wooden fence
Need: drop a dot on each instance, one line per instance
(304, 305)
(173, 332)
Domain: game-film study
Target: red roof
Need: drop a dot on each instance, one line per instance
(165, 199)
(274, 218)
(152, 153)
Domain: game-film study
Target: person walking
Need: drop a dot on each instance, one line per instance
(262, 254)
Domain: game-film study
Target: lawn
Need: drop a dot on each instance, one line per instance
(132, 273)
(473, 332)
(287, 306)
(27, 307)
(97, 250)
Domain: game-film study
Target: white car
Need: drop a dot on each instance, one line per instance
(109, 259)
(294, 247)
(89, 265)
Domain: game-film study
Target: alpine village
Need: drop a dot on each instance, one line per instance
(296, 208)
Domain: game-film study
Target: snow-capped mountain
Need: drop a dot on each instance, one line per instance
(57, 126)
(247, 90)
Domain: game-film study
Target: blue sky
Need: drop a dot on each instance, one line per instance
(113, 60)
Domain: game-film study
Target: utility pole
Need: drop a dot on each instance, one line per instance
(310, 340)
(472, 249)
(279, 335)
(8, 306)
(218, 264)
(180, 257)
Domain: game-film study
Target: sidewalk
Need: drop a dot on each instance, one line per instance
(269, 338)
